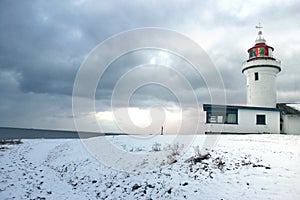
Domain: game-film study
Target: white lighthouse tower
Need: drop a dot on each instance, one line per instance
(261, 70)
(260, 115)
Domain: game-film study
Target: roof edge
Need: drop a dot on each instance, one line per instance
(217, 106)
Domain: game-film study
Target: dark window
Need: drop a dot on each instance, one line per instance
(256, 76)
(260, 119)
(222, 117)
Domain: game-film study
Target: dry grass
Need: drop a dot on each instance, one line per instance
(10, 142)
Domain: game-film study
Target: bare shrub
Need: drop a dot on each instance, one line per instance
(198, 156)
(156, 147)
(175, 150)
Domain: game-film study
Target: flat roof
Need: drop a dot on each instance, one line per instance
(207, 107)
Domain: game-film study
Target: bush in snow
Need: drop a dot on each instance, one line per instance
(175, 148)
(198, 156)
(174, 152)
(156, 147)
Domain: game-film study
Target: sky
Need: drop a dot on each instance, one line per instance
(43, 44)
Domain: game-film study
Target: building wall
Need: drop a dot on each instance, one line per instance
(291, 124)
(261, 92)
(247, 123)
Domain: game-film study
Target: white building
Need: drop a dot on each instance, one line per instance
(260, 115)
(289, 118)
(241, 119)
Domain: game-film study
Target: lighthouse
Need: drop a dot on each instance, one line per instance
(260, 115)
(261, 70)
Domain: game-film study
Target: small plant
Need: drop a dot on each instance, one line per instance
(174, 152)
(198, 156)
(175, 148)
(138, 149)
(156, 147)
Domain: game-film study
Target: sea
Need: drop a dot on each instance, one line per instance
(9, 133)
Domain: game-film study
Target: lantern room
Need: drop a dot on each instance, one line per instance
(260, 49)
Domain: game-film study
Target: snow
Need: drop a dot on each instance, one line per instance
(239, 167)
(295, 106)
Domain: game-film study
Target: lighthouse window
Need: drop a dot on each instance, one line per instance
(256, 76)
(260, 119)
(252, 53)
(270, 52)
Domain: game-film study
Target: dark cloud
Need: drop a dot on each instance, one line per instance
(43, 43)
(125, 63)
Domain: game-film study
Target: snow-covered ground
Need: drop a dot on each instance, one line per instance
(238, 167)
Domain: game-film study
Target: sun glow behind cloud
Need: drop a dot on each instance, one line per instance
(162, 58)
(142, 119)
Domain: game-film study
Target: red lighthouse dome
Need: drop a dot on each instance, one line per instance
(260, 49)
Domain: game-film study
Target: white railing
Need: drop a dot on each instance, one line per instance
(263, 58)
